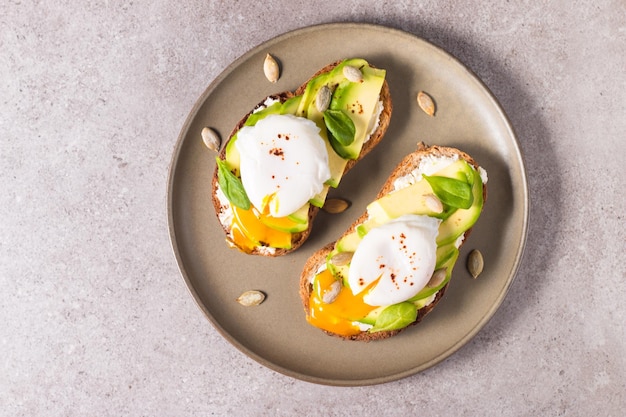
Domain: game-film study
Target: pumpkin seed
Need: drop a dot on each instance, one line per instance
(322, 99)
(335, 205)
(341, 258)
(211, 139)
(332, 292)
(475, 263)
(251, 298)
(433, 203)
(271, 69)
(426, 103)
(437, 278)
(353, 74)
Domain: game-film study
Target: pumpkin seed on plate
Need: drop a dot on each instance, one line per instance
(426, 103)
(251, 298)
(475, 263)
(335, 205)
(211, 139)
(271, 69)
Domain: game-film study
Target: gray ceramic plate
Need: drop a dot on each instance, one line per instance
(276, 333)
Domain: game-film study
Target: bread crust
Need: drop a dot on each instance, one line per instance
(299, 238)
(312, 265)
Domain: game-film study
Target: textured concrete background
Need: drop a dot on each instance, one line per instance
(96, 319)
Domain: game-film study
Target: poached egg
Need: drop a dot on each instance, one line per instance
(283, 163)
(395, 261)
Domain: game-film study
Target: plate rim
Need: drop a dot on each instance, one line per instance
(350, 382)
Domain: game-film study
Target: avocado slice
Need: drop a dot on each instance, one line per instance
(372, 316)
(294, 223)
(301, 216)
(319, 199)
(348, 243)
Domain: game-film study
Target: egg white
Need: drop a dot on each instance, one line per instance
(283, 163)
(402, 253)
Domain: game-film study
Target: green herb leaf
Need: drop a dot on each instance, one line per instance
(450, 191)
(339, 148)
(340, 126)
(231, 186)
(395, 317)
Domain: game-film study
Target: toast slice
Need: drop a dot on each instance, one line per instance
(223, 207)
(319, 260)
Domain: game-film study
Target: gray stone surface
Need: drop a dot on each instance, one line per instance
(95, 317)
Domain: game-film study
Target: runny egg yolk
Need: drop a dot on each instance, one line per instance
(248, 231)
(338, 316)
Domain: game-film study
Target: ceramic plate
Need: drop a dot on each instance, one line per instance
(276, 333)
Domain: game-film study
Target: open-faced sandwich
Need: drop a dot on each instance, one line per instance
(274, 172)
(393, 265)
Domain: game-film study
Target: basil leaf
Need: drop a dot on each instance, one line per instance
(339, 148)
(340, 125)
(450, 191)
(395, 317)
(231, 186)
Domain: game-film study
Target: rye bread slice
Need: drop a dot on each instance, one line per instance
(312, 265)
(299, 238)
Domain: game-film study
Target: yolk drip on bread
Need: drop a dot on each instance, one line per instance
(335, 317)
(248, 231)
